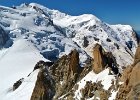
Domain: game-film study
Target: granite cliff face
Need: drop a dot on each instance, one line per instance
(103, 60)
(66, 72)
(130, 89)
(44, 87)
(61, 80)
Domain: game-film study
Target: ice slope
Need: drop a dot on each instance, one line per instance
(49, 30)
(17, 62)
(97, 31)
(123, 39)
(38, 28)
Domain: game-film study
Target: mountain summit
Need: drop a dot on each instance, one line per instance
(67, 47)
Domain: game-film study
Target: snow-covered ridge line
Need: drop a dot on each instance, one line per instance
(41, 25)
(41, 33)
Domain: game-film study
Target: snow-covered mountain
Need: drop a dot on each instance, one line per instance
(32, 32)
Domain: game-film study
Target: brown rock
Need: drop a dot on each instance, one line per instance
(137, 56)
(74, 61)
(96, 90)
(130, 90)
(103, 59)
(103, 95)
(44, 87)
(99, 64)
(135, 75)
(61, 78)
(65, 72)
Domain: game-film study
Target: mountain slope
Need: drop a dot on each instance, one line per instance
(33, 32)
(16, 62)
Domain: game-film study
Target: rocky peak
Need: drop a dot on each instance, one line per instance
(99, 63)
(44, 87)
(74, 61)
(59, 78)
(65, 72)
(53, 34)
(103, 59)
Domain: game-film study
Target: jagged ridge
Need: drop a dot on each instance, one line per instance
(49, 34)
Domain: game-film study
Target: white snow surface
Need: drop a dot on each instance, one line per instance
(25, 90)
(17, 62)
(113, 95)
(57, 33)
(41, 33)
(103, 76)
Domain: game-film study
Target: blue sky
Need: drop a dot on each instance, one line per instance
(110, 11)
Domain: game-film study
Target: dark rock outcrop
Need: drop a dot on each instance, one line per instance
(3, 37)
(17, 84)
(41, 63)
(108, 40)
(86, 42)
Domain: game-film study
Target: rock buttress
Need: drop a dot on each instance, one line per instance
(58, 81)
(103, 59)
(44, 87)
(130, 89)
(65, 73)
